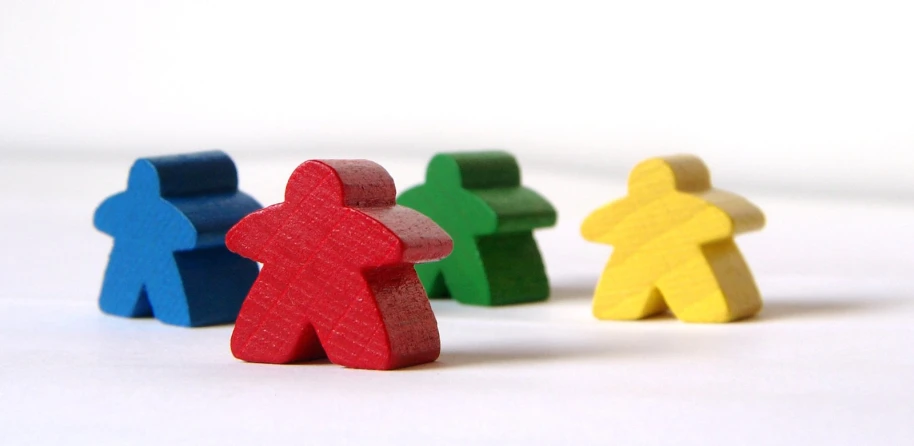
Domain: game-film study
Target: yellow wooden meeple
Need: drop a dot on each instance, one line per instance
(672, 239)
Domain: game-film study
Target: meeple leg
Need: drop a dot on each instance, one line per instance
(513, 268)
(165, 289)
(465, 275)
(216, 282)
(713, 285)
(432, 278)
(382, 320)
(626, 290)
(123, 293)
(273, 325)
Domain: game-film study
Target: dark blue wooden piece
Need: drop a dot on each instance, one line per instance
(169, 258)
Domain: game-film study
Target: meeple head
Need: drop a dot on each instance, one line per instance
(658, 176)
(473, 170)
(201, 173)
(355, 183)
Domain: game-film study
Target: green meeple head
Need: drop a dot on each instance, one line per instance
(474, 170)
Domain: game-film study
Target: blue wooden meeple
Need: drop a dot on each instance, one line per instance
(169, 258)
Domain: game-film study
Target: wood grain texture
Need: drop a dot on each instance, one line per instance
(338, 277)
(478, 199)
(169, 258)
(673, 246)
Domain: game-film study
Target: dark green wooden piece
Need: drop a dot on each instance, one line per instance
(477, 198)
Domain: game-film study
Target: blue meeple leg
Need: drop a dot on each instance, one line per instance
(166, 291)
(123, 293)
(200, 287)
(216, 281)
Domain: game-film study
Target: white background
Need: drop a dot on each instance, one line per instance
(804, 107)
(800, 95)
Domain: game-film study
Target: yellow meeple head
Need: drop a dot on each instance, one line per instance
(658, 176)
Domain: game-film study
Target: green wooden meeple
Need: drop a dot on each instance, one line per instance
(478, 199)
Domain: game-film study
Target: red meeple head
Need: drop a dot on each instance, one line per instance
(366, 188)
(356, 183)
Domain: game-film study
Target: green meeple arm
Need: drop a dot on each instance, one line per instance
(493, 177)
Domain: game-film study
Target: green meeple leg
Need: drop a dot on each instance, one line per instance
(514, 268)
(462, 275)
(432, 279)
(499, 270)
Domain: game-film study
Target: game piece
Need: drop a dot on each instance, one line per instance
(338, 277)
(169, 257)
(478, 199)
(672, 239)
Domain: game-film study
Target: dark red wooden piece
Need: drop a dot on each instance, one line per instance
(338, 277)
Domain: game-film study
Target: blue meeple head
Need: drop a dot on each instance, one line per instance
(199, 173)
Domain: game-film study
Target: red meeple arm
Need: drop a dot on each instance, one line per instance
(251, 236)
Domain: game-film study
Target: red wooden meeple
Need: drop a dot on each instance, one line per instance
(338, 278)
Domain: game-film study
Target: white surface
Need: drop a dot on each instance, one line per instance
(811, 95)
(829, 361)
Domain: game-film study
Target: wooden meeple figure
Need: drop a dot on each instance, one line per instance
(673, 247)
(478, 199)
(338, 279)
(169, 258)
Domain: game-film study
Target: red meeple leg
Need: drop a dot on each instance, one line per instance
(412, 330)
(272, 326)
(381, 321)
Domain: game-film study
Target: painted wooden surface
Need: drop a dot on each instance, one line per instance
(478, 199)
(673, 246)
(169, 257)
(338, 279)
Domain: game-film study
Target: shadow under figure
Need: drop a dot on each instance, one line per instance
(827, 307)
(673, 247)
(571, 292)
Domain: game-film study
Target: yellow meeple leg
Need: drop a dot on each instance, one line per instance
(713, 285)
(626, 291)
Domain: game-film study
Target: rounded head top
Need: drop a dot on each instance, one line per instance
(657, 176)
(144, 178)
(357, 183)
(474, 170)
(199, 173)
